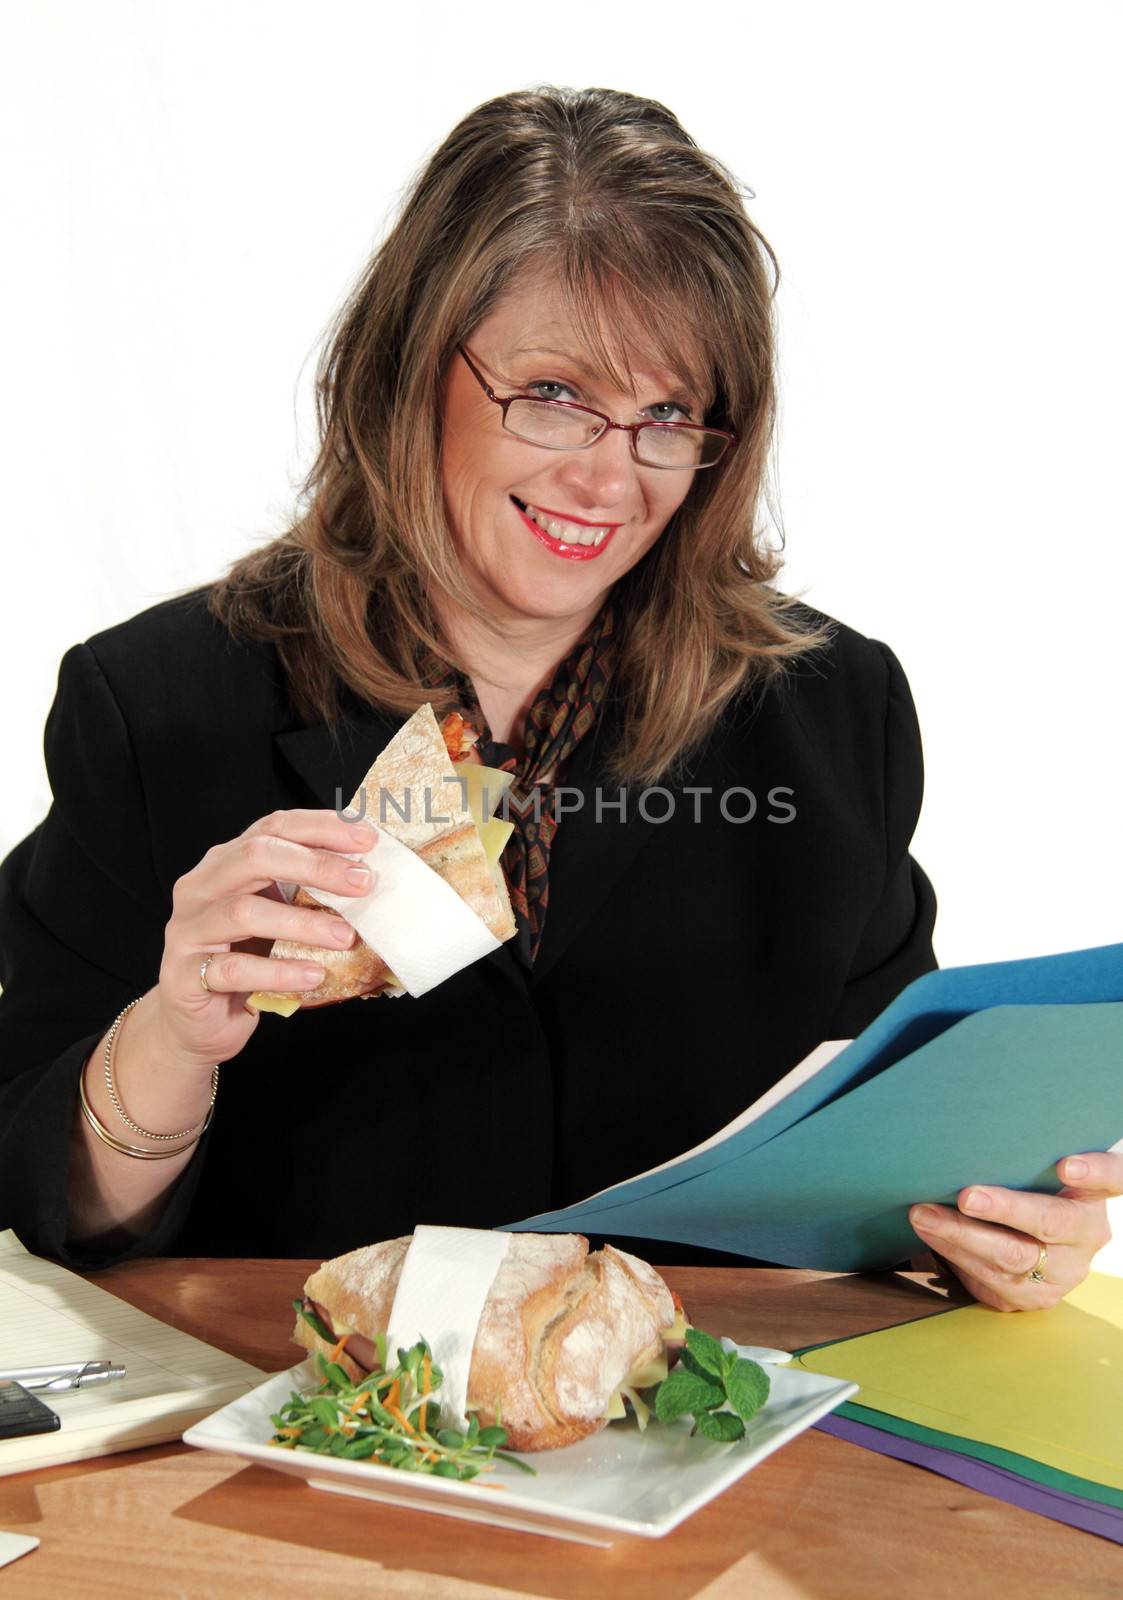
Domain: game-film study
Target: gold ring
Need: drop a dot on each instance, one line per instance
(1036, 1273)
(203, 974)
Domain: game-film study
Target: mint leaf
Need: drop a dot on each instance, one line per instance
(691, 1363)
(706, 1352)
(720, 1425)
(748, 1388)
(683, 1392)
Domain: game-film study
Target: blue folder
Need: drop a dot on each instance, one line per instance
(985, 1074)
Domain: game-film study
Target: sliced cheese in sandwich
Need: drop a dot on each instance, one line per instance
(483, 788)
(441, 813)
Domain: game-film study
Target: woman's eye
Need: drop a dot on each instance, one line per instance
(554, 389)
(548, 384)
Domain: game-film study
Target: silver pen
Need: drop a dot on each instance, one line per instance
(74, 1375)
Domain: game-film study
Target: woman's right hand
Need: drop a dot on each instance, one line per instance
(229, 904)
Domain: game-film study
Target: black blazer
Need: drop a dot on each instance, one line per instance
(685, 966)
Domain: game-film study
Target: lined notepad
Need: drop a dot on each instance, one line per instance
(49, 1316)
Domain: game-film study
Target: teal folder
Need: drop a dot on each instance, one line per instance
(985, 1074)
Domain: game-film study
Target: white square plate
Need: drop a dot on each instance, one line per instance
(619, 1483)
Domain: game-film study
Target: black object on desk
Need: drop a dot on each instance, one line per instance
(22, 1413)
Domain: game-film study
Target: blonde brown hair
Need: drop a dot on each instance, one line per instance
(643, 230)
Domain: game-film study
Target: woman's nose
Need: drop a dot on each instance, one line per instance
(604, 474)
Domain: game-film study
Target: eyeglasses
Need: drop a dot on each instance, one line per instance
(564, 425)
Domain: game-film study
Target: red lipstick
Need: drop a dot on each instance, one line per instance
(558, 547)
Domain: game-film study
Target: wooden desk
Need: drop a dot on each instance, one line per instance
(820, 1520)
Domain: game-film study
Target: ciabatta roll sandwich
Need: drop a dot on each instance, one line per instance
(563, 1335)
(427, 791)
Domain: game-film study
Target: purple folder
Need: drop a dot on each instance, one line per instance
(1089, 1515)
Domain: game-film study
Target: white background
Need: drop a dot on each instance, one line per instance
(190, 188)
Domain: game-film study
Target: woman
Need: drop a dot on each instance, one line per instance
(588, 586)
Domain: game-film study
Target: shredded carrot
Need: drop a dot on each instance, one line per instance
(338, 1351)
(394, 1397)
(399, 1416)
(291, 1433)
(359, 1403)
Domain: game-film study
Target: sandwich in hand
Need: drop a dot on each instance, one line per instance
(563, 1335)
(412, 793)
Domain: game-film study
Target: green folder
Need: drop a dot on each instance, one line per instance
(1024, 1466)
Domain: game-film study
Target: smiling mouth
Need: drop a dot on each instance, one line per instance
(571, 540)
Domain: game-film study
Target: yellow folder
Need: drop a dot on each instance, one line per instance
(1044, 1384)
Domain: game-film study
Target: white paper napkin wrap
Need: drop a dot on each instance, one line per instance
(446, 1277)
(418, 924)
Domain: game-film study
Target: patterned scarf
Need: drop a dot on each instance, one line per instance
(561, 716)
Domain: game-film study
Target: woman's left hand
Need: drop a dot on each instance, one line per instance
(994, 1241)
